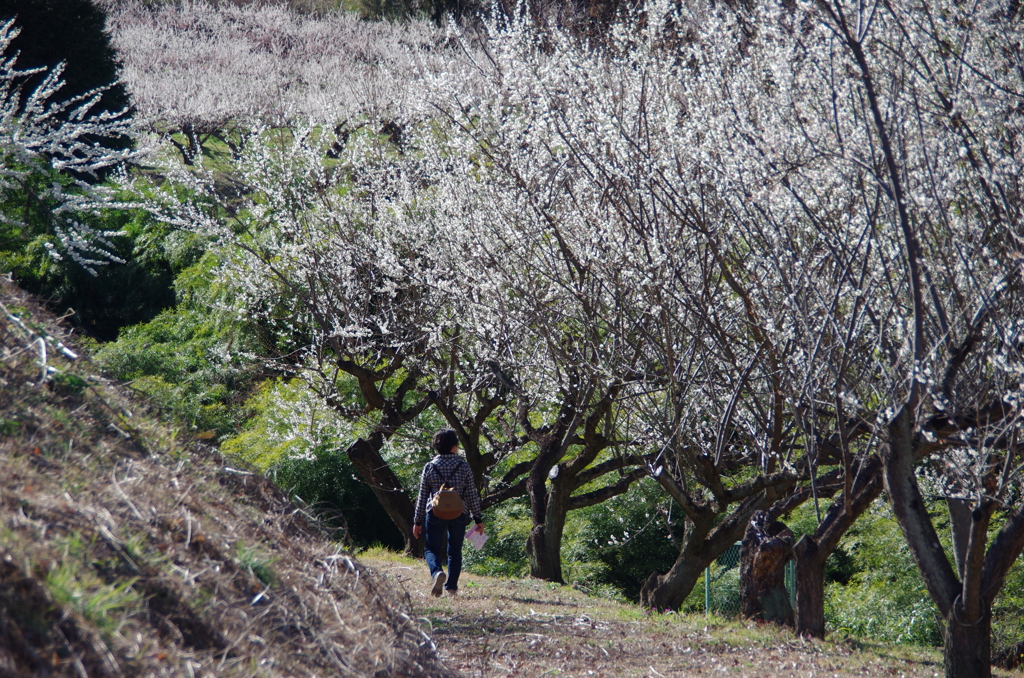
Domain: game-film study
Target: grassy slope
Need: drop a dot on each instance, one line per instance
(126, 550)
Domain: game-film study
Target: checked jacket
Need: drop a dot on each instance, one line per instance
(451, 469)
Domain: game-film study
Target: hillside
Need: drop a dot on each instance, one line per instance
(130, 550)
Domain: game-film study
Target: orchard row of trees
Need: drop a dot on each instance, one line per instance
(199, 71)
(766, 255)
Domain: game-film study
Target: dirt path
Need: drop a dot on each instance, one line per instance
(498, 628)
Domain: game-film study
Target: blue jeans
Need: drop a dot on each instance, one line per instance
(456, 531)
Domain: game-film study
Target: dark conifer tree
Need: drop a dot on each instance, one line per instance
(69, 31)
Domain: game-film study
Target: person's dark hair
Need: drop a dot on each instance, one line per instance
(445, 440)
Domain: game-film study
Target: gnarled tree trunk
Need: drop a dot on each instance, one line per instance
(542, 549)
(711, 528)
(544, 545)
(767, 547)
(668, 591)
(966, 603)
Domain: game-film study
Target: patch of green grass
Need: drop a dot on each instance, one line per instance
(202, 595)
(74, 586)
(67, 383)
(253, 560)
(9, 427)
(61, 416)
(382, 553)
(137, 548)
(134, 546)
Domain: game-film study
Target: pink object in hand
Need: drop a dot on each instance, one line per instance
(476, 537)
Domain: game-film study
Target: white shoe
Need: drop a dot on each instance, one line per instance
(452, 593)
(439, 579)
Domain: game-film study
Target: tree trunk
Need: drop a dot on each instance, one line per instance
(544, 545)
(704, 541)
(388, 489)
(668, 591)
(812, 551)
(810, 588)
(968, 651)
(767, 547)
(702, 544)
(543, 563)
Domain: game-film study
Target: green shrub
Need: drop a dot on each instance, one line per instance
(1008, 610)
(504, 554)
(885, 598)
(99, 302)
(202, 410)
(181, 362)
(291, 435)
(627, 535)
(329, 483)
(723, 590)
(609, 549)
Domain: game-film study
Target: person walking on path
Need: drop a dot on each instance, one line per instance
(446, 468)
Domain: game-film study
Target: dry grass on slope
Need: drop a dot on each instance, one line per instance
(125, 551)
(500, 628)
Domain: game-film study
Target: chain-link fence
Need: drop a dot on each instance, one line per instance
(722, 583)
